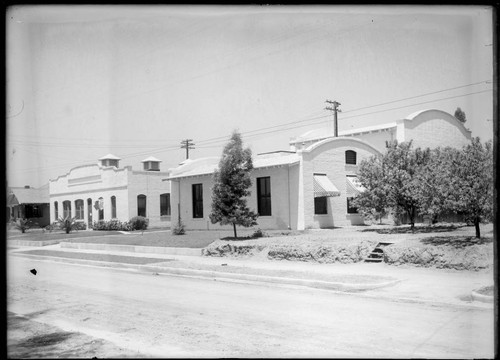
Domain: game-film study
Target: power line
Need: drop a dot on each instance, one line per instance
(417, 96)
(278, 128)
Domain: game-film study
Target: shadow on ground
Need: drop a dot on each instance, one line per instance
(416, 229)
(456, 241)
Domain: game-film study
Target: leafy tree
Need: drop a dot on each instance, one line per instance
(391, 180)
(471, 174)
(436, 183)
(372, 203)
(460, 115)
(231, 184)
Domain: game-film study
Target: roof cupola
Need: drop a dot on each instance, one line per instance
(151, 164)
(109, 160)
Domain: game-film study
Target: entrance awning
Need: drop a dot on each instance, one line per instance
(324, 187)
(354, 187)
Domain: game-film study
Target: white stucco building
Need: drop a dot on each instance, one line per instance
(104, 191)
(310, 185)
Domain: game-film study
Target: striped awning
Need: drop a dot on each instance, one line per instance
(354, 186)
(324, 187)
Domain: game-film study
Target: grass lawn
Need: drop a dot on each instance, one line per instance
(439, 234)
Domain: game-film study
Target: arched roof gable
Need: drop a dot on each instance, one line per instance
(340, 141)
(423, 115)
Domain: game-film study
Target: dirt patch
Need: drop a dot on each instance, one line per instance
(472, 257)
(27, 339)
(320, 252)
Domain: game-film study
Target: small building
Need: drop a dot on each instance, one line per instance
(313, 184)
(105, 191)
(29, 203)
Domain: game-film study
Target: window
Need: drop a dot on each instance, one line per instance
(264, 196)
(350, 157)
(164, 204)
(67, 209)
(320, 205)
(56, 210)
(79, 209)
(350, 208)
(89, 211)
(100, 206)
(141, 205)
(197, 190)
(113, 207)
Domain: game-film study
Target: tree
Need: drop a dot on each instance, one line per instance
(391, 180)
(373, 202)
(231, 184)
(436, 183)
(471, 174)
(460, 115)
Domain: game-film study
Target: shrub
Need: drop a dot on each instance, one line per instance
(112, 225)
(22, 225)
(139, 223)
(258, 234)
(179, 228)
(80, 225)
(67, 224)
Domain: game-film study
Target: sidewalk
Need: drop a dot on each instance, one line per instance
(374, 280)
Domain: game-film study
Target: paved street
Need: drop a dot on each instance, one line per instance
(166, 316)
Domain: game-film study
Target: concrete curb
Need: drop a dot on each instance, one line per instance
(133, 248)
(213, 274)
(32, 243)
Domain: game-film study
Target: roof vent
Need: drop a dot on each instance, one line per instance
(110, 160)
(151, 164)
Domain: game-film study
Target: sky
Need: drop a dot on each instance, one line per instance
(135, 81)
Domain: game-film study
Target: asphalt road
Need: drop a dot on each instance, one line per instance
(166, 316)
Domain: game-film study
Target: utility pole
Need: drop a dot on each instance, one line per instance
(335, 109)
(187, 144)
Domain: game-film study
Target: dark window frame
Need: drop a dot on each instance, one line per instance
(66, 209)
(264, 203)
(79, 211)
(140, 210)
(350, 157)
(321, 205)
(351, 209)
(165, 209)
(113, 207)
(197, 198)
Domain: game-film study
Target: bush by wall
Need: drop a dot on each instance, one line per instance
(139, 223)
(112, 225)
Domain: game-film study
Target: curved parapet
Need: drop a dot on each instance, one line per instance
(433, 128)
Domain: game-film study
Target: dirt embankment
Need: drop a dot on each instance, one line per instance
(322, 253)
(472, 257)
